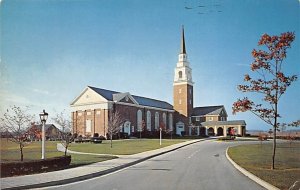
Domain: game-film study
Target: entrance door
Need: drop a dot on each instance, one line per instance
(127, 126)
(179, 128)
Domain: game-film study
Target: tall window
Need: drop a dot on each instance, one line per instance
(165, 120)
(88, 125)
(139, 120)
(148, 120)
(180, 74)
(156, 120)
(170, 122)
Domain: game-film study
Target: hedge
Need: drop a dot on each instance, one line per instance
(34, 166)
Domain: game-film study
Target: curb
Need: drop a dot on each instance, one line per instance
(250, 175)
(96, 174)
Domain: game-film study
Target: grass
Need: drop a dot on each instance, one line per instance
(258, 159)
(10, 152)
(124, 147)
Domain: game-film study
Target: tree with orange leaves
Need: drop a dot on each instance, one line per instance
(271, 82)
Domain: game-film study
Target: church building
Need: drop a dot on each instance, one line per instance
(92, 109)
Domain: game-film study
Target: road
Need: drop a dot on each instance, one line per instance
(199, 166)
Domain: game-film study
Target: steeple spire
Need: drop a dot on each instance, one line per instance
(182, 45)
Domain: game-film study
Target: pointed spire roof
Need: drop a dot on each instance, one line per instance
(182, 44)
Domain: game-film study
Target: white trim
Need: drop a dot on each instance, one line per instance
(104, 105)
(75, 100)
(183, 82)
(204, 115)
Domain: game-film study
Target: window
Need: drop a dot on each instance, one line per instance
(148, 120)
(88, 126)
(179, 101)
(170, 122)
(197, 118)
(156, 120)
(88, 113)
(165, 120)
(98, 112)
(210, 118)
(180, 74)
(179, 90)
(139, 120)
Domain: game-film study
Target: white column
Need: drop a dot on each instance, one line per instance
(225, 131)
(190, 131)
(198, 130)
(206, 131)
(215, 130)
(239, 130)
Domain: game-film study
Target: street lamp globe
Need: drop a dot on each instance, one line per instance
(43, 116)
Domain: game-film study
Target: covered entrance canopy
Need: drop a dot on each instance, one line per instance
(224, 128)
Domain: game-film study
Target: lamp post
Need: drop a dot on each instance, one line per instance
(43, 117)
(160, 129)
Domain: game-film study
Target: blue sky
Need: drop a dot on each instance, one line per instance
(52, 49)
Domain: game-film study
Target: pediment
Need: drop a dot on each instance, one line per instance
(88, 96)
(125, 98)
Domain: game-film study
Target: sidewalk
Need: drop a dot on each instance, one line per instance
(85, 172)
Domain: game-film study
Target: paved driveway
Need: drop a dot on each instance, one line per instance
(199, 166)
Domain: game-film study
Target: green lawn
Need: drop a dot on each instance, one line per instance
(10, 152)
(258, 159)
(124, 147)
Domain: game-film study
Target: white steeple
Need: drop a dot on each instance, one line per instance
(183, 73)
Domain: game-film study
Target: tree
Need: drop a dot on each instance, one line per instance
(271, 82)
(66, 128)
(16, 121)
(115, 122)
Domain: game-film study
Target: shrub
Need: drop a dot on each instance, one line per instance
(228, 138)
(34, 166)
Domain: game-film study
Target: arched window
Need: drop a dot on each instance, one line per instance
(165, 120)
(180, 74)
(139, 120)
(156, 120)
(170, 122)
(148, 120)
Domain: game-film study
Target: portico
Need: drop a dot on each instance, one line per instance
(223, 128)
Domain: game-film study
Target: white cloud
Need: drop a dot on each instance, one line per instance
(45, 92)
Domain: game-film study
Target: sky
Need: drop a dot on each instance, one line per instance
(52, 49)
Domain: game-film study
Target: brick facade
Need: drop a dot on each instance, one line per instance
(98, 119)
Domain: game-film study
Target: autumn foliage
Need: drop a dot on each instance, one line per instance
(270, 81)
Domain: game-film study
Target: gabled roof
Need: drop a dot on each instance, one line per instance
(109, 95)
(47, 126)
(208, 110)
(216, 123)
